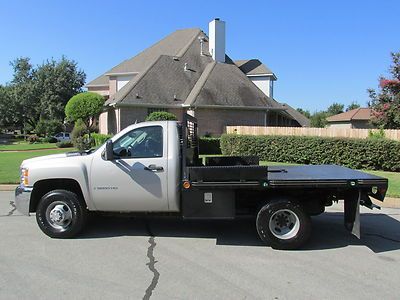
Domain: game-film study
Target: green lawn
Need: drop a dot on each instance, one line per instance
(10, 162)
(27, 146)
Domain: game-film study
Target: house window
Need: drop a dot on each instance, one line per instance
(153, 109)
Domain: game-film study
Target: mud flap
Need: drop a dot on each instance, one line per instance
(352, 213)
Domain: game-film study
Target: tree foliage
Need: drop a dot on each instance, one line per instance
(334, 109)
(84, 106)
(161, 116)
(305, 113)
(48, 127)
(353, 105)
(386, 102)
(39, 92)
(7, 109)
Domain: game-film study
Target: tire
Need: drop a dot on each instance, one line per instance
(61, 214)
(283, 224)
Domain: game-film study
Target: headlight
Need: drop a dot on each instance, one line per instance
(24, 176)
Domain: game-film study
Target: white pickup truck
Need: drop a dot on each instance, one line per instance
(154, 168)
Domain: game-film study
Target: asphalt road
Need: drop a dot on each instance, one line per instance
(172, 259)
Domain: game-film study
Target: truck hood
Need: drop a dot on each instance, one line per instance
(50, 157)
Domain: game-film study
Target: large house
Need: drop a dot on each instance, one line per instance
(188, 71)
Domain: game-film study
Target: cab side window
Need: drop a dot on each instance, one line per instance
(145, 142)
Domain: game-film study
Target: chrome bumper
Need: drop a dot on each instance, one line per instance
(22, 199)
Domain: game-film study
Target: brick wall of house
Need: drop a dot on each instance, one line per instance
(213, 121)
(177, 112)
(101, 90)
(129, 115)
(113, 85)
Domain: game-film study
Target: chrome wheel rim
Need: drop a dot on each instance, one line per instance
(59, 215)
(284, 224)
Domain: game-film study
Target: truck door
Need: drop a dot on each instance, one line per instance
(136, 179)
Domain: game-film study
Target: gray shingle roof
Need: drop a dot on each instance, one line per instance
(174, 44)
(163, 81)
(253, 67)
(102, 80)
(226, 85)
(299, 117)
(205, 83)
(166, 77)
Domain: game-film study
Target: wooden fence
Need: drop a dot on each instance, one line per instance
(393, 134)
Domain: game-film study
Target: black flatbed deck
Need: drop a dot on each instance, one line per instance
(321, 175)
(282, 176)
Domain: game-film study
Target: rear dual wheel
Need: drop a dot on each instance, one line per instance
(283, 224)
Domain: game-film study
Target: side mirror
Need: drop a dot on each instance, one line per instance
(108, 153)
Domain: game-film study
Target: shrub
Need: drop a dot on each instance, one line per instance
(372, 154)
(161, 116)
(48, 127)
(84, 106)
(373, 134)
(67, 144)
(49, 139)
(209, 145)
(100, 139)
(80, 139)
(33, 139)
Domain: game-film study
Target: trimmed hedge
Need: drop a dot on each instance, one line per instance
(371, 154)
(209, 145)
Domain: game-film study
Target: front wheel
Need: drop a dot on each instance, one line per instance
(283, 224)
(60, 214)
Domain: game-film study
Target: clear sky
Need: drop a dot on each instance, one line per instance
(321, 51)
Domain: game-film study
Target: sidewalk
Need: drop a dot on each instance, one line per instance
(389, 202)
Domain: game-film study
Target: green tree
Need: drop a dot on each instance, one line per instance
(318, 119)
(353, 105)
(306, 113)
(7, 109)
(86, 107)
(161, 116)
(55, 83)
(42, 92)
(24, 99)
(335, 108)
(386, 102)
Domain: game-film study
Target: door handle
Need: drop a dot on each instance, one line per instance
(154, 168)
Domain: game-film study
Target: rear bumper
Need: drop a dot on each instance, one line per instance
(22, 199)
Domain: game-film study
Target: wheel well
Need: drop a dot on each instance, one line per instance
(42, 187)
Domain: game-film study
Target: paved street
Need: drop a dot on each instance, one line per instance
(172, 259)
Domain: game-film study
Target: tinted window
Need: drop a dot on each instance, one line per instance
(140, 143)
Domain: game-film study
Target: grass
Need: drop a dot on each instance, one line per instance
(10, 162)
(18, 146)
(394, 181)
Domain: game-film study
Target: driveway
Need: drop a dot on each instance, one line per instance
(167, 258)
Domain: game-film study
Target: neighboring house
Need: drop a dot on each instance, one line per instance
(189, 71)
(355, 118)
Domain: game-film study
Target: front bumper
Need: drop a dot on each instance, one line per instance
(22, 199)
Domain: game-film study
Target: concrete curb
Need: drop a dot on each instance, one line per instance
(389, 202)
(8, 187)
